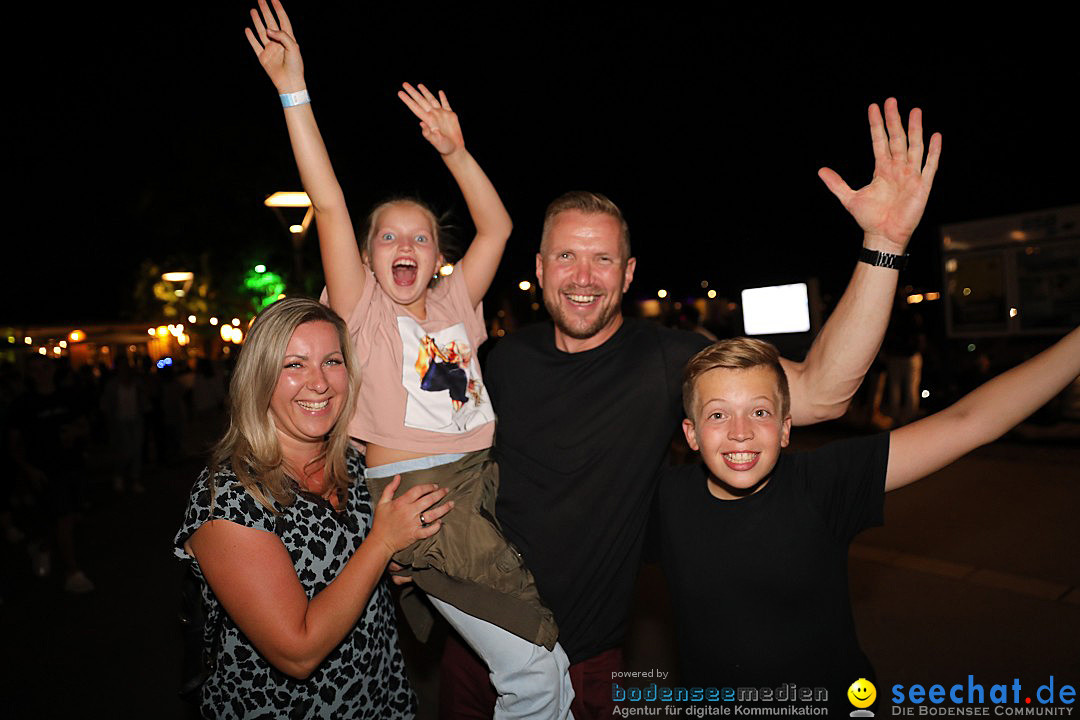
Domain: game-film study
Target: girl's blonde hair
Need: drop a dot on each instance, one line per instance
(251, 444)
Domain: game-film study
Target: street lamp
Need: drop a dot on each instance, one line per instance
(297, 232)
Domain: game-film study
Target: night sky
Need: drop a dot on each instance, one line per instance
(157, 136)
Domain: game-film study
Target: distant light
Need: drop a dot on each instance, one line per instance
(179, 276)
(933, 296)
(967, 291)
(76, 336)
(57, 350)
(288, 199)
(446, 269)
(704, 284)
(524, 284)
(238, 336)
(63, 343)
(226, 333)
(281, 296)
(105, 349)
(1018, 235)
(535, 306)
(132, 348)
(914, 299)
(191, 319)
(661, 293)
(924, 394)
(179, 292)
(951, 265)
(11, 338)
(162, 331)
(296, 229)
(236, 322)
(711, 294)
(971, 347)
(260, 268)
(500, 332)
(213, 321)
(151, 331)
(1013, 312)
(42, 351)
(183, 338)
(164, 363)
(28, 340)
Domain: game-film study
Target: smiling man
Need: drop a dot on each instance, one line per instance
(587, 405)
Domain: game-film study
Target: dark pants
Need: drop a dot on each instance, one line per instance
(465, 692)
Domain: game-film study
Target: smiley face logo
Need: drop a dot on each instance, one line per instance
(862, 693)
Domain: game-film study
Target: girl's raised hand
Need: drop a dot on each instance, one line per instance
(276, 47)
(438, 122)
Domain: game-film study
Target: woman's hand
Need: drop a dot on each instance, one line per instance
(276, 47)
(399, 522)
(438, 122)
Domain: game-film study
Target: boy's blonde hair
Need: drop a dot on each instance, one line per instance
(739, 353)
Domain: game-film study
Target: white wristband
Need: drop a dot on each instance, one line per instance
(300, 97)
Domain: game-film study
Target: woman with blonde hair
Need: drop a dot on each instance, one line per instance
(284, 537)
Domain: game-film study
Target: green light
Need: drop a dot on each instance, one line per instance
(265, 285)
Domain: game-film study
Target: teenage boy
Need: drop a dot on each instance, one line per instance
(756, 544)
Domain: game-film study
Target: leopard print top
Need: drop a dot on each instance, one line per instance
(364, 676)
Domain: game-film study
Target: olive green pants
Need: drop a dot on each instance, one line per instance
(469, 563)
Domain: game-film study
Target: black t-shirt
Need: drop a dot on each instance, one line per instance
(759, 584)
(579, 439)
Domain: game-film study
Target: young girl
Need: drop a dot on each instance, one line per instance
(423, 411)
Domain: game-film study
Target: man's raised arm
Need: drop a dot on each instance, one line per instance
(888, 210)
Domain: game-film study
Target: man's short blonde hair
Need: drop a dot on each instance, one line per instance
(590, 204)
(740, 353)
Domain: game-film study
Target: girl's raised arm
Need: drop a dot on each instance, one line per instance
(275, 46)
(439, 124)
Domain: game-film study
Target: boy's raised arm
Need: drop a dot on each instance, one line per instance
(888, 210)
(440, 126)
(279, 56)
(983, 415)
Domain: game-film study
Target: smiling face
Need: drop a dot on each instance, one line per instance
(403, 253)
(312, 388)
(583, 274)
(738, 428)
(862, 693)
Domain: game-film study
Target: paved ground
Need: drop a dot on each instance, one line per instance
(977, 572)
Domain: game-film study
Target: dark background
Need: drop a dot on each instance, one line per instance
(153, 134)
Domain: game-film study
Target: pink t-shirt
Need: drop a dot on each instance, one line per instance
(421, 388)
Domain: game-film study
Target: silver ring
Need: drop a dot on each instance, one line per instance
(423, 522)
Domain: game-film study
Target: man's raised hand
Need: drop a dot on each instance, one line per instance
(438, 122)
(275, 46)
(890, 207)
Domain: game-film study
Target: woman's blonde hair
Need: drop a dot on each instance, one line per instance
(251, 444)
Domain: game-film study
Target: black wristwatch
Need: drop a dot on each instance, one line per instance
(883, 259)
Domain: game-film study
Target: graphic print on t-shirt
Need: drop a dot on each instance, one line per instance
(441, 376)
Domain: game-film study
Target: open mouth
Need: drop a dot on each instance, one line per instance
(741, 460)
(313, 406)
(582, 299)
(404, 271)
